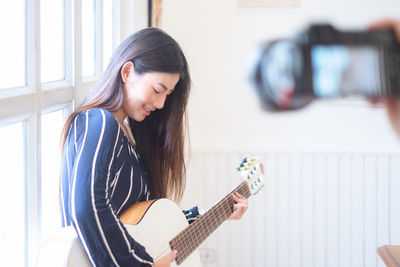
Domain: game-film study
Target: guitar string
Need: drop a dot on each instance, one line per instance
(181, 241)
(182, 236)
(212, 220)
(200, 232)
(204, 232)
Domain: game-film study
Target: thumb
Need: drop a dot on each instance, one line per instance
(172, 255)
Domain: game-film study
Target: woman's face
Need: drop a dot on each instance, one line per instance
(144, 93)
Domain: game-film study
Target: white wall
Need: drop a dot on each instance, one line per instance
(225, 120)
(315, 210)
(217, 37)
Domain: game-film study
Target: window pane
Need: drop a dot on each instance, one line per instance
(12, 195)
(88, 38)
(52, 124)
(107, 31)
(12, 47)
(52, 29)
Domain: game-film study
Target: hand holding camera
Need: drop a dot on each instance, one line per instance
(392, 104)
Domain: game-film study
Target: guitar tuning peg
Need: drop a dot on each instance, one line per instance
(246, 164)
(242, 168)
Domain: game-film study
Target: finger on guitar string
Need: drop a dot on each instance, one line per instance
(172, 255)
(164, 253)
(238, 195)
(238, 198)
(166, 260)
(240, 206)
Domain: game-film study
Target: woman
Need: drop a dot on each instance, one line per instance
(125, 144)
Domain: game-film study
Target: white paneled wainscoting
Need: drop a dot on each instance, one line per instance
(316, 209)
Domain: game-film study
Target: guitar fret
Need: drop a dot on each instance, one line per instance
(199, 230)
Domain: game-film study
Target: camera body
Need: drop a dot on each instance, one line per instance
(323, 62)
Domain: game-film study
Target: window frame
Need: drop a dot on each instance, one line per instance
(27, 104)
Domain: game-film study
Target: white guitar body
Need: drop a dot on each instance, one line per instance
(161, 222)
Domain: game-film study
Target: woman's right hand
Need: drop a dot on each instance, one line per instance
(166, 260)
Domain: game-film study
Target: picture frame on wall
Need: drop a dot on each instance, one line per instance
(266, 3)
(155, 13)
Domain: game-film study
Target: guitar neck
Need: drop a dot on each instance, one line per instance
(192, 236)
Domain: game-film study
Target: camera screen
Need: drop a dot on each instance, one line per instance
(340, 70)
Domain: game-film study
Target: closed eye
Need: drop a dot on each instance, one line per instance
(155, 91)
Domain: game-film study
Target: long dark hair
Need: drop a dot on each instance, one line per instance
(160, 137)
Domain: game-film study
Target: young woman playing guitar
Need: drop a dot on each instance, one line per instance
(125, 144)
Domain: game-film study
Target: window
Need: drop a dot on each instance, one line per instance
(88, 37)
(52, 32)
(12, 194)
(52, 124)
(53, 53)
(12, 51)
(107, 31)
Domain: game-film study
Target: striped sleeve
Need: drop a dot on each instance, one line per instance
(104, 237)
(193, 214)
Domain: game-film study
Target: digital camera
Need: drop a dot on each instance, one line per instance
(323, 62)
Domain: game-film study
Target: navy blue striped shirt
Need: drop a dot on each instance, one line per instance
(102, 175)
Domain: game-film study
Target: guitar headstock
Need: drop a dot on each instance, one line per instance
(252, 171)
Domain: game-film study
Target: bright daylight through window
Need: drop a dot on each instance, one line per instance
(52, 53)
(12, 195)
(12, 46)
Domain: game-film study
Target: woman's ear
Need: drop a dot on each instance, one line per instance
(126, 70)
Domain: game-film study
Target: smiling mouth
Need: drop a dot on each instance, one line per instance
(148, 111)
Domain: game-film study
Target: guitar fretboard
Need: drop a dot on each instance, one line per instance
(192, 236)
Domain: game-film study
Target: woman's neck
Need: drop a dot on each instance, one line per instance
(120, 115)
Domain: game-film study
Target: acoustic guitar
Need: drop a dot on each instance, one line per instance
(160, 226)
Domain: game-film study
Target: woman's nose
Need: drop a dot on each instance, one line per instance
(159, 101)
